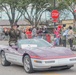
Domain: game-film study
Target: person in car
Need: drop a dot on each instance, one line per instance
(14, 34)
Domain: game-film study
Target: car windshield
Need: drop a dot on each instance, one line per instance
(33, 43)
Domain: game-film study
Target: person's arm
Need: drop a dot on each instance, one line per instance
(6, 32)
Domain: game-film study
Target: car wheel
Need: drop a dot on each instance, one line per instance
(27, 64)
(69, 67)
(4, 62)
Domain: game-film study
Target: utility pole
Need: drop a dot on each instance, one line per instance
(54, 9)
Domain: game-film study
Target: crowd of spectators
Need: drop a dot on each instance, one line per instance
(30, 32)
(61, 34)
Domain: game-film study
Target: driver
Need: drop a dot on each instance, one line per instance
(14, 34)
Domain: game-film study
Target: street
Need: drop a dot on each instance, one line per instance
(18, 70)
(39, 35)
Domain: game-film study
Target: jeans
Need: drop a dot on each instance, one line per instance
(71, 42)
(64, 43)
(57, 41)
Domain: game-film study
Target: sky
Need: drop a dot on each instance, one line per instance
(46, 16)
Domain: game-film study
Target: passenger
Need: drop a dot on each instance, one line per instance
(14, 34)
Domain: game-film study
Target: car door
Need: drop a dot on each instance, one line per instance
(13, 55)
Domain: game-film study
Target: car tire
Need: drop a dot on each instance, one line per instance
(4, 62)
(27, 64)
(69, 67)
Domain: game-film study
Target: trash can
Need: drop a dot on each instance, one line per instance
(48, 37)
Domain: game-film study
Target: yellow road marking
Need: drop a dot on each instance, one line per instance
(51, 74)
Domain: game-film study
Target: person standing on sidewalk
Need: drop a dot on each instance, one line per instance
(63, 37)
(34, 32)
(29, 34)
(71, 37)
(57, 36)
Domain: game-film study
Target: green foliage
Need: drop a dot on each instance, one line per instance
(12, 6)
(37, 8)
(70, 4)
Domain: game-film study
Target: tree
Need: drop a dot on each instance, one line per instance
(36, 8)
(64, 14)
(11, 9)
(71, 6)
(60, 6)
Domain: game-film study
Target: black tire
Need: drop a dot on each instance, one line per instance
(4, 62)
(27, 64)
(69, 67)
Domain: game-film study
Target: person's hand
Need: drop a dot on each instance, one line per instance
(5, 30)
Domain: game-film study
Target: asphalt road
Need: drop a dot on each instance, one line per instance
(18, 70)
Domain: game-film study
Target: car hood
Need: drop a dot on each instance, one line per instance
(47, 52)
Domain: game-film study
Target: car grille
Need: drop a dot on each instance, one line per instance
(49, 61)
(73, 59)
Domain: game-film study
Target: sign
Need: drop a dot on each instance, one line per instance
(55, 20)
(55, 14)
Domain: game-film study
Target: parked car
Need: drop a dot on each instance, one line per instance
(37, 54)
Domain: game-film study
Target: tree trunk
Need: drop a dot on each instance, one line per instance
(74, 14)
(12, 22)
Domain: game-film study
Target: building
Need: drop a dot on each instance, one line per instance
(68, 22)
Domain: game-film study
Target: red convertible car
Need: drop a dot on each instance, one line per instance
(37, 54)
